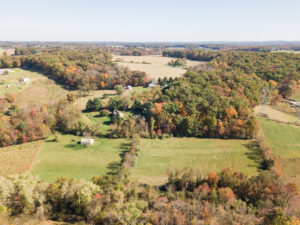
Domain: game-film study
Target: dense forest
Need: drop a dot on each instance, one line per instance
(205, 104)
(283, 69)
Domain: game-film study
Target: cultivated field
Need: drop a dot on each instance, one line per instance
(66, 158)
(154, 65)
(8, 51)
(284, 141)
(18, 158)
(157, 156)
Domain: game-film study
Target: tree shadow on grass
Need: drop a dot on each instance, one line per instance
(75, 146)
(125, 146)
(255, 154)
(113, 167)
(107, 123)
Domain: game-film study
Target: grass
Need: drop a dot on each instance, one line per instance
(18, 158)
(94, 118)
(284, 141)
(275, 114)
(81, 102)
(157, 67)
(66, 158)
(157, 156)
(40, 90)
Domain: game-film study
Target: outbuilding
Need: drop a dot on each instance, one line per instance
(151, 84)
(87, 141)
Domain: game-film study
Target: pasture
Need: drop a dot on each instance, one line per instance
(156, 157)
(154, 65)
(40, 90)
(284, 141)
(66, 158)
(18, 158)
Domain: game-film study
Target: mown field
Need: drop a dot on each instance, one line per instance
(156, 157)
(154, 65)
(66, 158)
(284, 141)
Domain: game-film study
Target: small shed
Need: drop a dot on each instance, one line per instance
(87, 141)
(151, 84)
(128, 87)
(117, 112)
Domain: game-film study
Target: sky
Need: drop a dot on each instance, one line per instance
(149, 20)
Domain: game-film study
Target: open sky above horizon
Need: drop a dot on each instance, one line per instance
(149, 20)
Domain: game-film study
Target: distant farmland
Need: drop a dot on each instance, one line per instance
(8, 51)
(154, 65)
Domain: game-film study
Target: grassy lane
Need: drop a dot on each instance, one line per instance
(284, 141)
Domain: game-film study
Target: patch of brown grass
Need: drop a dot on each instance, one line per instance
(156, 66)
(18, 158)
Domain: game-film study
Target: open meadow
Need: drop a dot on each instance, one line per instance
(284, 141)
(154, 65)
(156, 157)
(67, 158)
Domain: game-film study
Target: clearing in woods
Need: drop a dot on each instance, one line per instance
(284, 141)
(154, 65)
(157, 156)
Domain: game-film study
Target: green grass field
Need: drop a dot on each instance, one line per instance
(157, 156)
(66, 158)
(284, 141)
(93, 117)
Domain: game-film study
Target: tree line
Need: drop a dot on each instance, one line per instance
(188, 197)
